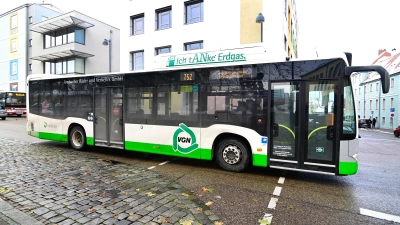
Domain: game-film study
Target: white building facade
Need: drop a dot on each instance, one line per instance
(176, 26)
(73, 43)
(16, 44)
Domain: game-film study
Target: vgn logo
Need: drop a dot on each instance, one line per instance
(184, 140)
(49, 125)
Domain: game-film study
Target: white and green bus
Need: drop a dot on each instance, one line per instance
(293, 115)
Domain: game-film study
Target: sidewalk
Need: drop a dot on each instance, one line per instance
(46, 184)
(387, 131)
(11, 216)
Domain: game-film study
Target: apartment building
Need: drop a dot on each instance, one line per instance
(74, 43)
(16, 43)
(177, 26)
(370, 101)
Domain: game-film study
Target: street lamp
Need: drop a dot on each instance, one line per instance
(260, 19)
(108, 42)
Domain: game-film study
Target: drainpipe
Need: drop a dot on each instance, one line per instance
(26, 45)
(379, 102)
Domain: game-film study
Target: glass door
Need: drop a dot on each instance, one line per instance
(108, 117)
(302, 127)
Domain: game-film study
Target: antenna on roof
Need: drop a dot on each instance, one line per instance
(394, 49)
(316, 51)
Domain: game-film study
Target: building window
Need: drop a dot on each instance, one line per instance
(30, 67)
(137, 60)
(194, 11)
(13, 45)
(383, 120)
(137, 24)
(193, 45)
(30, 42)
(377, 86)
(14, 69)
(162, 50)
(14, 22)
(65, 66)
(359, 105)
(359, 91)
(64, 36)
(391, 103)
(383, 104)
(392, 83)
(376, 104)
(370, 104)
(370, 88)
(30, 19)
(164, 18)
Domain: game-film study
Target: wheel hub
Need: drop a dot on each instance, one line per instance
(77, 138)
(232, 154)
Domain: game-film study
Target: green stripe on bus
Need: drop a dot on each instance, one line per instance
(348, 168)
(57, 137)
(53, 136)
(199, 153)
(260, 160)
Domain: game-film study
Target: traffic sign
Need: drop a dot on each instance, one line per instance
(392, 109)
(372, 112)
(391, 114)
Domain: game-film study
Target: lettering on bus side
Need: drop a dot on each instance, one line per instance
(184, 140)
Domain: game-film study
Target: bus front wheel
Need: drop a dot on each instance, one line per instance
(232, 155)
(77, 138)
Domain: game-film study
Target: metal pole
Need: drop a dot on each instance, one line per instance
(261, 32)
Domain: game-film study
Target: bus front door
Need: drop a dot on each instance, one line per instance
(108, 119)
(303, 131)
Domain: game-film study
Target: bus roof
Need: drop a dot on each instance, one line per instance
(204, 59)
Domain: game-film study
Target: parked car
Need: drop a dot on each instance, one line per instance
(3, 113)
(364, 123)
(396, 131)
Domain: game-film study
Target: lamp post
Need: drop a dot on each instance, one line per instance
(260, 19)
(108, 42)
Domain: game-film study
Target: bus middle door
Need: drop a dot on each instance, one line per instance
(108, 117)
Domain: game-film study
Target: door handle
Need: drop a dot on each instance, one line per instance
(275, 130)
(95, 120)
(120, 121)
(330, 132)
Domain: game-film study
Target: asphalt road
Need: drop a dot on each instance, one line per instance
(286, 197)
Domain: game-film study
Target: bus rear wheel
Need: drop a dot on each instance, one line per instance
(77, 138)
(232, 155)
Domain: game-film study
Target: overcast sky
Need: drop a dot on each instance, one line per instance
(326, 26)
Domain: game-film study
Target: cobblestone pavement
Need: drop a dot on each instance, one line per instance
(63, 186)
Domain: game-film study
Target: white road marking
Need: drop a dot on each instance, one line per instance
(163, 163)
(150, 168)
(281, 180)
(272, 203)
(379, 215)
(267, 217)
(277, 191)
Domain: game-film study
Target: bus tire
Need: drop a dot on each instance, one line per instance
(77, 138)
(232, 155)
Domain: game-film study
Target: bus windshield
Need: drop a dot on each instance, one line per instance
(15, 99)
